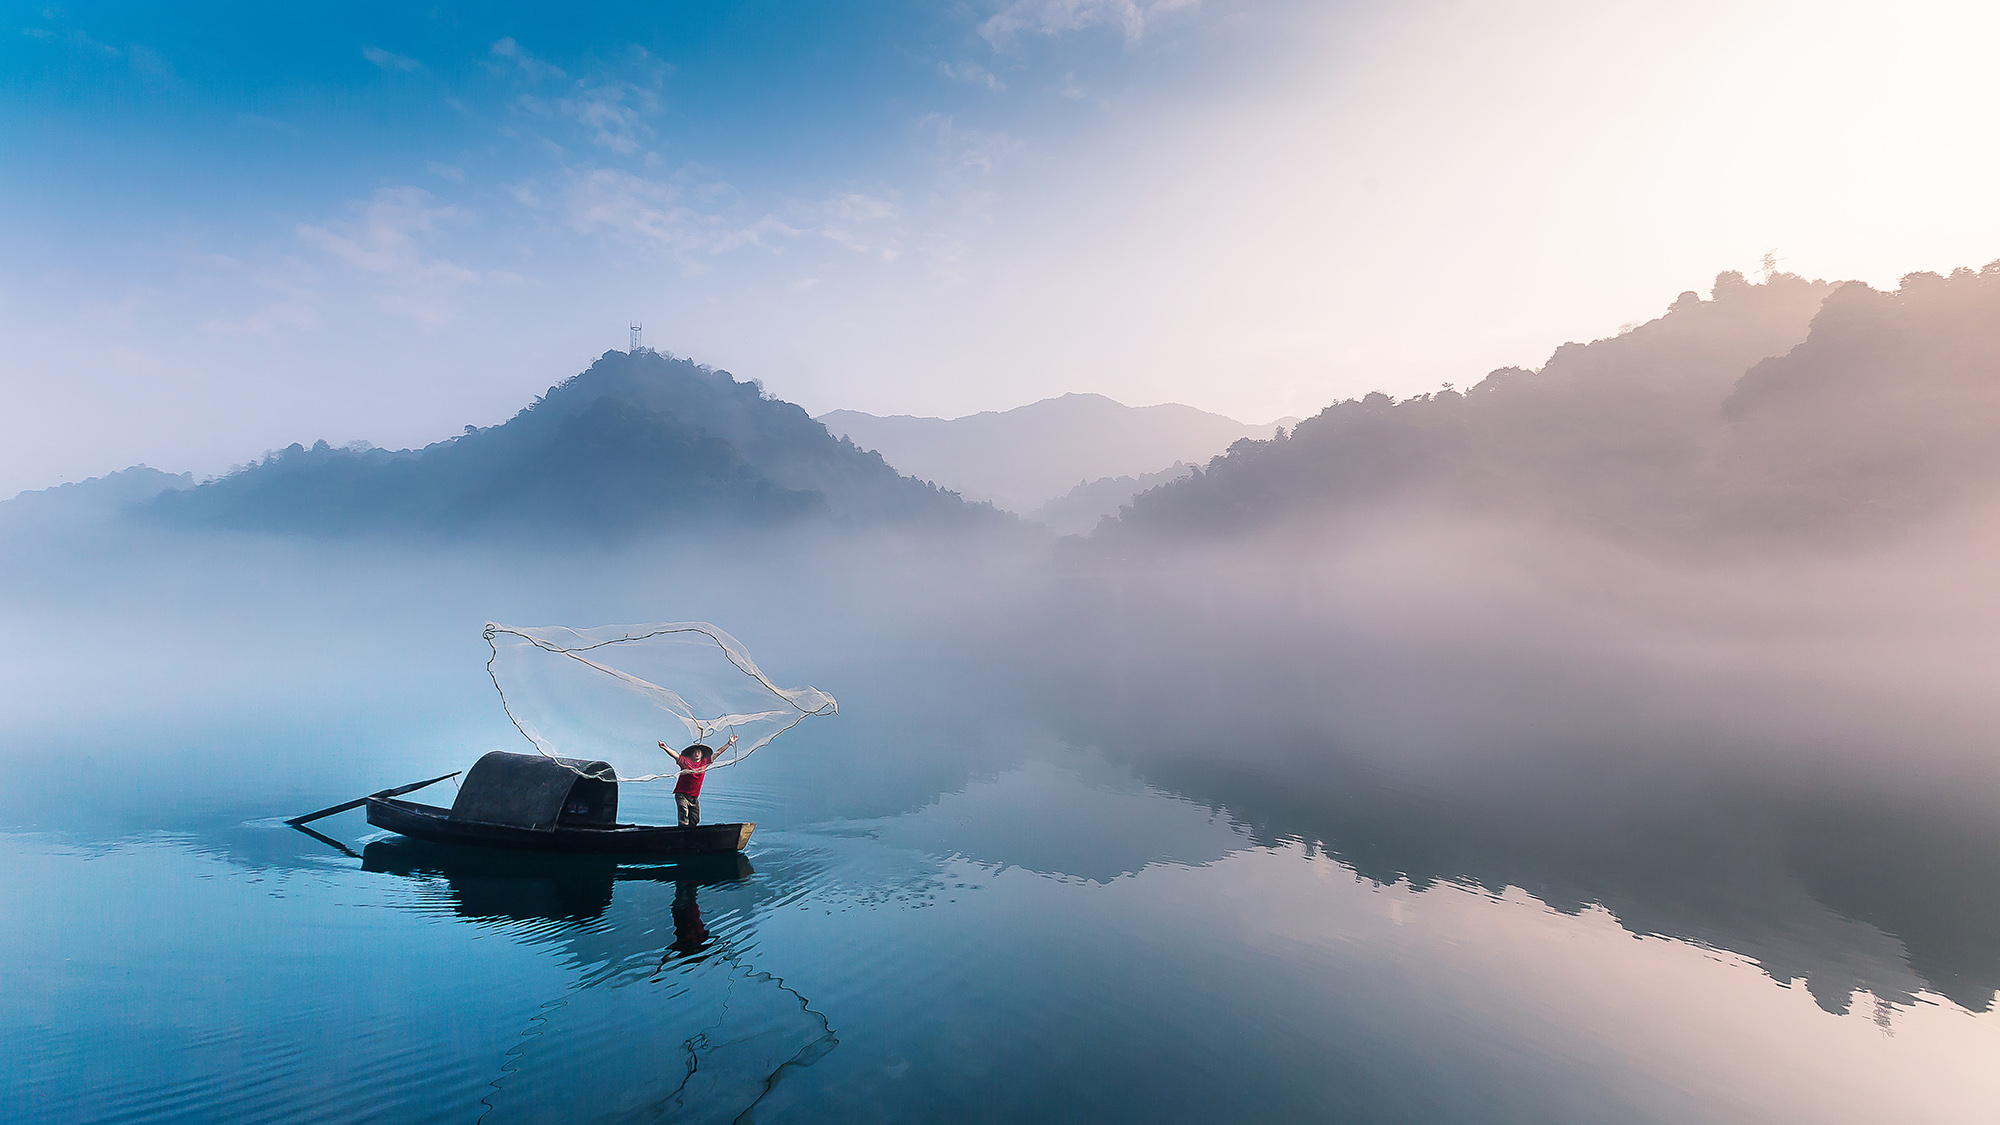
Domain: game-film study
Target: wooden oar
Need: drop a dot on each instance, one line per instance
(360, 801)
(328, 840)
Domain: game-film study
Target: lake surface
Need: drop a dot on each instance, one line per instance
(961, 904)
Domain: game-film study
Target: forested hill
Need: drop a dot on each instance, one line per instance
(1791, 408)
(640, 440)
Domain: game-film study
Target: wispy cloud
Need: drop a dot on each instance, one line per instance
(862, 223)
(389, 60)
(963, 149)
(533, 68)
(699, 220)
(614, 112)
(283, 294)
(279, 318)
(659, 212)
(386, 240)
(75, 38)
(145, 62)
(1056, 17)
(972, 73)
(611, 105)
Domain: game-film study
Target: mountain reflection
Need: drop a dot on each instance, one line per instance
(1770, 874)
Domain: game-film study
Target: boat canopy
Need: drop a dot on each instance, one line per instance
(537, 792)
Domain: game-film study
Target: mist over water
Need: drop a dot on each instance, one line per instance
(1737, 755)
(1359, 825)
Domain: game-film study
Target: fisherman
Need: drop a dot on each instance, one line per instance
(694, 762)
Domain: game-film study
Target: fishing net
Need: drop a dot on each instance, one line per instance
(614, 693)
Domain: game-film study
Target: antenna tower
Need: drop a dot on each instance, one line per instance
(636, 347)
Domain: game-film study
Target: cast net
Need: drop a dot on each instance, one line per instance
(614, 693)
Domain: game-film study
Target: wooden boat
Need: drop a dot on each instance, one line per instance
(546, 804)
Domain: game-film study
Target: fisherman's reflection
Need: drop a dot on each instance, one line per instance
(692, 939)
(690, 932)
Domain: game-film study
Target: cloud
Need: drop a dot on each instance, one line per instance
(535, 69)
(854, 220)
(698, 219)
(145, 62)
(973, 73)
(657, 211)
(611, 109)
(614, 109)
(389, 60)
(856, 207)
(284, 294)
(385, 240)
(963, 149)
(74, 37)
(614, 112)
(1056, 17)
(449, 171)
(269, 322)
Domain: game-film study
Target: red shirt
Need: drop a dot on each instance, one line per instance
(691, 776)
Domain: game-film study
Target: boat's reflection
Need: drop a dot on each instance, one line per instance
(497, 885)
(736, 1029)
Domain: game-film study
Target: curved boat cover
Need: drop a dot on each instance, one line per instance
(533, 791)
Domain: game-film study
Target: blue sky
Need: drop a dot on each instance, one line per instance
(227, 227)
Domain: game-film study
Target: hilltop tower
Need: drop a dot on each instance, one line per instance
(636, 346)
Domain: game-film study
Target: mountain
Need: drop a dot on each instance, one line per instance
(1081, 508)
(1020, 458)
(638, 441)
(1888, 412)
(85, 503)
(1794, 408)
(91, 500)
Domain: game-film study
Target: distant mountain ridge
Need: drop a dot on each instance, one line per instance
(639, 441)
(1795, 409)
(1080, 509)
(106, 493)
(1021, 458)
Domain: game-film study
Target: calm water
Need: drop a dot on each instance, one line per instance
(956, 907)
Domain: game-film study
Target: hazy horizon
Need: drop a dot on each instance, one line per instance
(211, 469)
(358, 226)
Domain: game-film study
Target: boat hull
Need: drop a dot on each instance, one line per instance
(428, 822)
